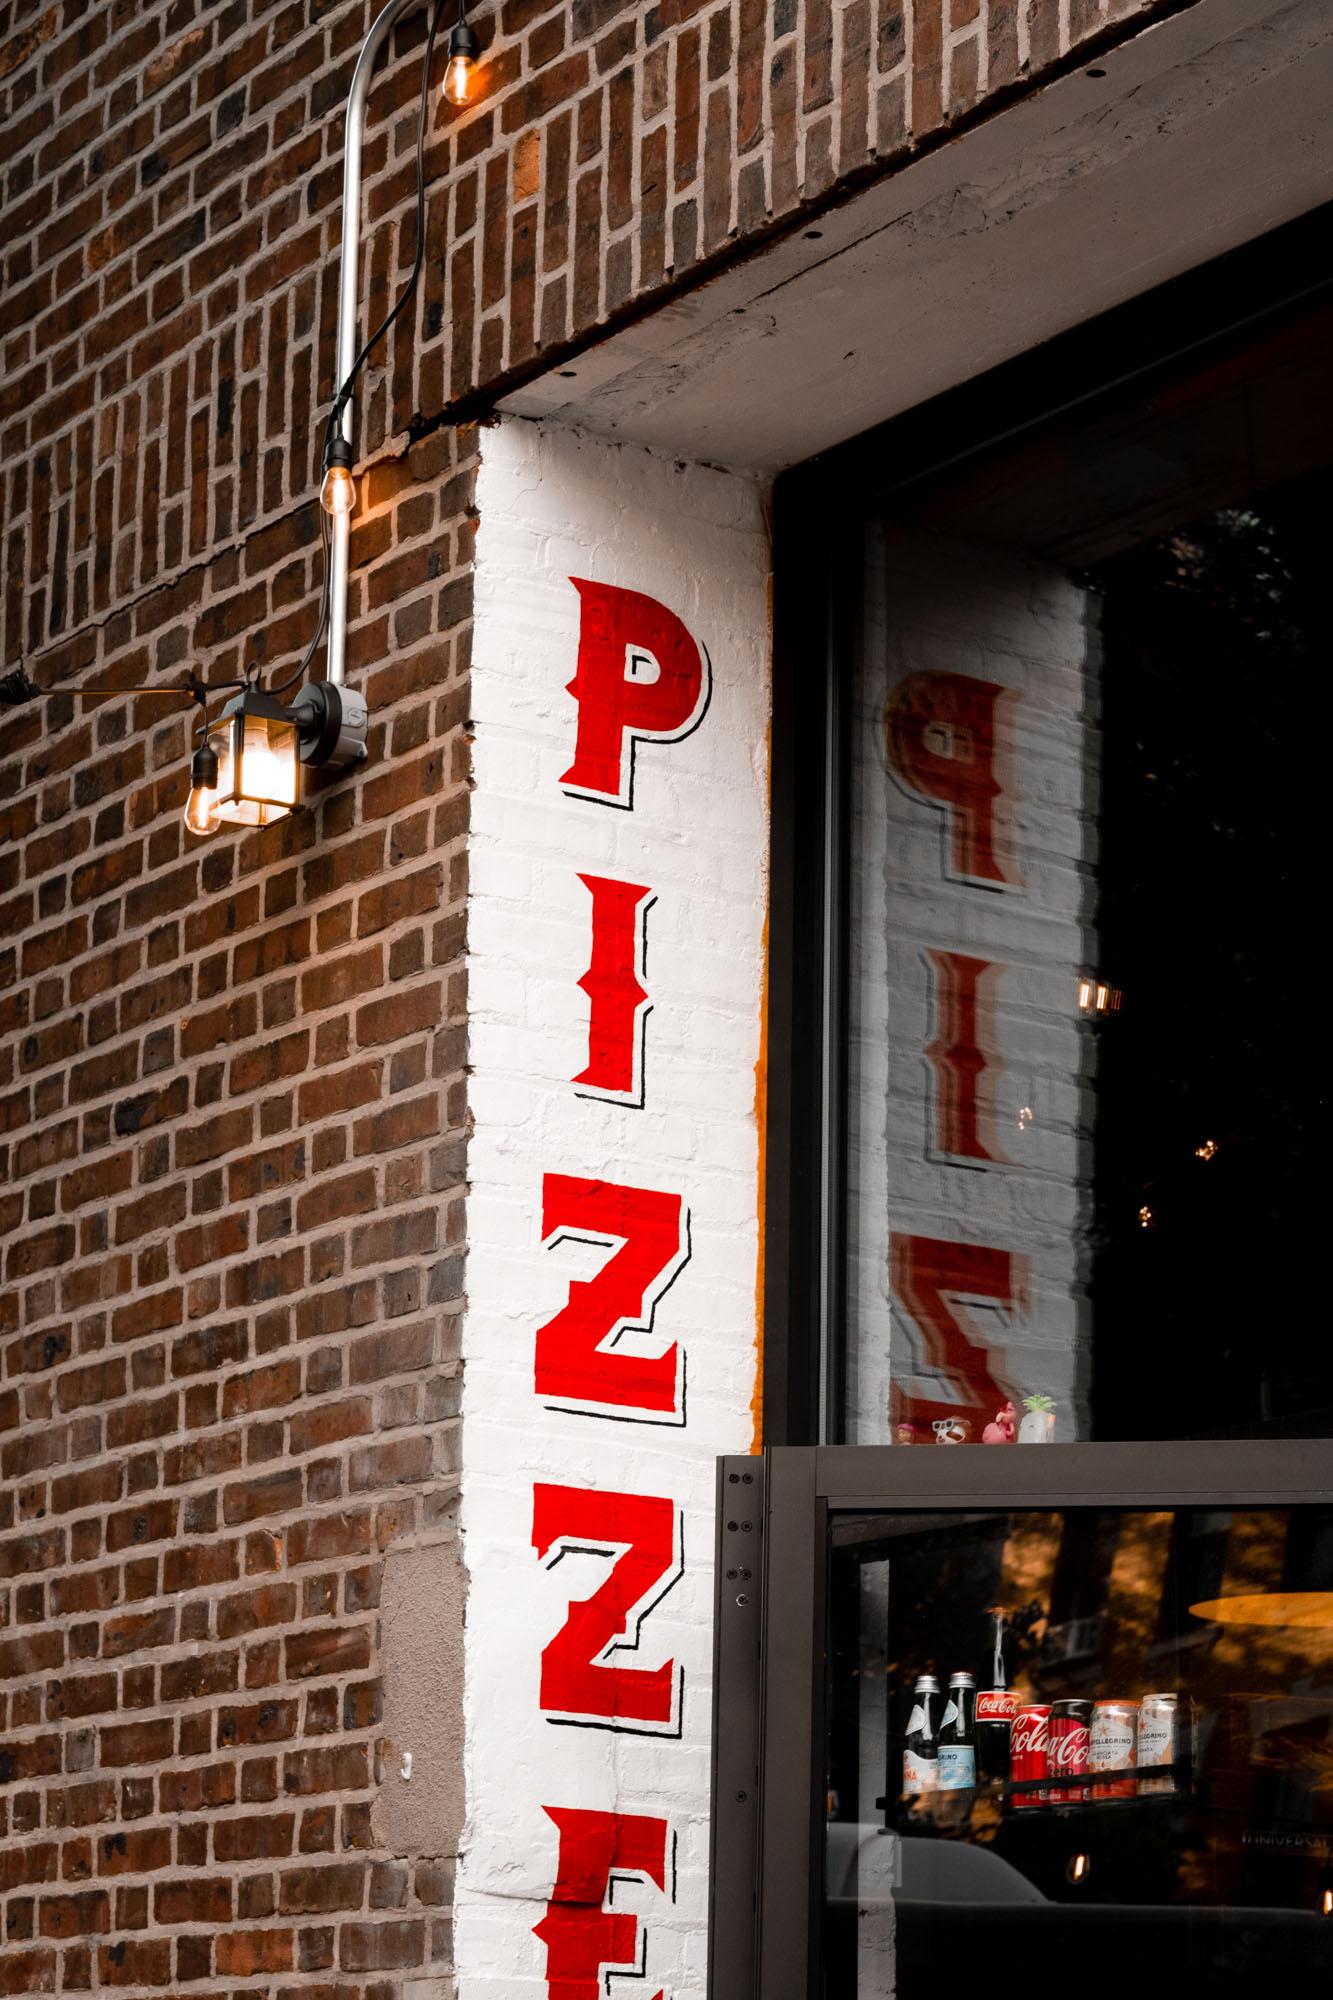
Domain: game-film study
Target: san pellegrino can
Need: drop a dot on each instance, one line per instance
(1113, 1746)
(1159, 1739)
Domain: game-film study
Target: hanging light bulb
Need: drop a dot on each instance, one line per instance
(464, 49)
(338, 493)
(201, 808)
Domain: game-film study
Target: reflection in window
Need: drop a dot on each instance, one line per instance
(1161, 1808)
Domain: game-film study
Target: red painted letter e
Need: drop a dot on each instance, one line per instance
(640, 678)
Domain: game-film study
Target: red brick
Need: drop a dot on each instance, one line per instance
(135, 1962)
(311, 1891)
(243, 1953)
(23, 1862)
(138, 1743)
(153, 1522)
(254, 1499)
(28, 1972)
(326, 1650)
(400, 1015)
(263, 1389)
(264, 1722)
(31, 1653)
(86, 1694)
(133, 1634)
(100, 1382)
(254, 1837)
(135, 1850)
(252, 1610)
(83, 1805)
(310, 1773)
(83, 1915)
(329, 1423)
(192, 1902)
(326, 1537)
(383, 1947)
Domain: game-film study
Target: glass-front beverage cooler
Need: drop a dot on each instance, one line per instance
(1060, 1715)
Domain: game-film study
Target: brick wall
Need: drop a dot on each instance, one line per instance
(233, 1149)
(232, 1095)
(171, 206)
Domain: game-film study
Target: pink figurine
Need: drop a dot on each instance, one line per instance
(1001, 1430)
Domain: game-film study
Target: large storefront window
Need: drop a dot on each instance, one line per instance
(1082, 1141)
(1045, 1168)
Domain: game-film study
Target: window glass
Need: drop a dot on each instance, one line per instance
(1090, 1745)
(1084, 1146)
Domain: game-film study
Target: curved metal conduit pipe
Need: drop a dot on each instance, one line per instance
(349, 262)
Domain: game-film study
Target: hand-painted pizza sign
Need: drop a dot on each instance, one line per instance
(617, 901)
(641, 677)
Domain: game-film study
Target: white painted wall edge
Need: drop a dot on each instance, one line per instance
(1206, 130)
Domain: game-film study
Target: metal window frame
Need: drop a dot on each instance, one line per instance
(770, 1670)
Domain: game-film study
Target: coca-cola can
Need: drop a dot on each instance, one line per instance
(1068, 1737)
(1113, 1746)
(1159, 1739)
(1028, 1751)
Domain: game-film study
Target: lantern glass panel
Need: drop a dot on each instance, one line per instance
(257, 772)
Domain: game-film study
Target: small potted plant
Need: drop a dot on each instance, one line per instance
(1038, 1425)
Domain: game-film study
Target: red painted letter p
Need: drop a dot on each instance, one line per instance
(640, 677)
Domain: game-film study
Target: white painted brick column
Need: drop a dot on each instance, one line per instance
(555, 505)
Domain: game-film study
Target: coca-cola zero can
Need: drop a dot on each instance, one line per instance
(1028, 1750)
(1068, 1736)
(1113, 1746)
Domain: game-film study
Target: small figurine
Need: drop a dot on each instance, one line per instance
(907, 1433)
(1038, 1426)
(952, 1430)
(1000, 1430)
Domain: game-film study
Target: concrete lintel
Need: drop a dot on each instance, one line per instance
(1205, 131)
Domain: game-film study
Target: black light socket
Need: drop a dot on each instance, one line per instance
(463, 42)
(204, 768)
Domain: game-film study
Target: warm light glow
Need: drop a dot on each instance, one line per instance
(1095, 997)
(260, 788)
(337, 495)
(458, 79)
(1025, 1117)
(1328, 1902)
(1084, 992)
(1206, 1150)
(1269, 1607)
(1145, 1218)
(1079, 1865)
(201, 810)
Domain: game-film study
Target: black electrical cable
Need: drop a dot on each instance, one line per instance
(418, 261)
(16, 687)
